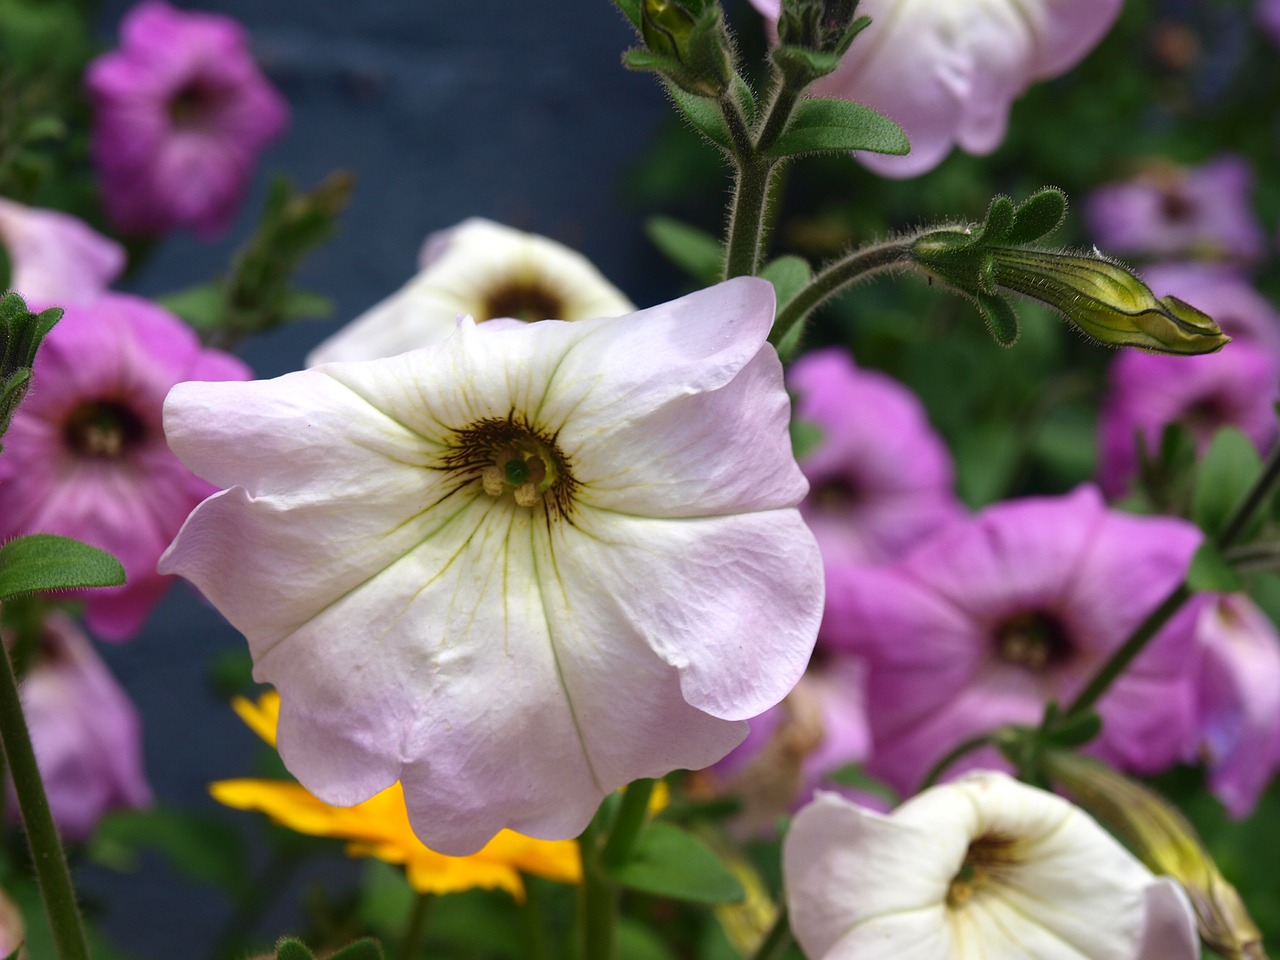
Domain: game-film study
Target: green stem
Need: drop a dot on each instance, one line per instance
(779, 115)
(535, 931)
(1241, 516)
(415, 935)
(597, 897)
(750, 196)
(627, 824)
(776, 942)
(955, 753)
(46, 847)
(838, 276)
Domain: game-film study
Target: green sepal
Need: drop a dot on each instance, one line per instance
(289, 948)
(999, 223)
(646, 61)
(999, 317)
(42, 561)
(669, 862)
(1228, 470)
(694, 251)
(704, 112)
(801, 65)
(1075, 731)
(1039, 215)
(364, 949)
(631, 10)
(825, 125)
(1210, 572)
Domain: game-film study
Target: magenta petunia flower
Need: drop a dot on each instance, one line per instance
(948, 72)
(516, 569)
(54, 257)
(85, 456)
(1239, 699)
(85, 731)
(1203, 212)
(880, 478)
(1268, 13)
(1236, 387)
(989, 619)
(181, 113)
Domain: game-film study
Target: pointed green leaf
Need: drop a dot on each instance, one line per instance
(1228, 469)
(366, 949)
(1000, 318)
(1210, 571)
(42, 561)
(1038, 216)
(789, 275)
(999, 222)
(704, 114)
(287, 948)
(826, 125)
(631, 10)
(669, 862)
(696, 252)
(202, 307)
(812, 64)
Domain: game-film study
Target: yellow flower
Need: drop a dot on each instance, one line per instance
(379, 827)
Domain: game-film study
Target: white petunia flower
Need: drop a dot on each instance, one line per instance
(983, 868)
(485, 271)
(517, 569)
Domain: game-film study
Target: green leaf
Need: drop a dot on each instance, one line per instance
(704, 114)
(1038, 216)
(826, 125)
(805, 436)
(43, 561)
(789, 275)
(1210, 571)
(1000, 318)
(638, 941)
(696, 252)
(202, 848)
(631, 10)
(365, 949)
(306, 305)
(202, 307)
(1226, 473)
(669, 862)
(287, 948)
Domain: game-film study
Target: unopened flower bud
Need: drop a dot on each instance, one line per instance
(21, 333)
(1160, 836)
(692, 47)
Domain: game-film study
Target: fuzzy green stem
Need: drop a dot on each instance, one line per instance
(955, 753)
(750, 197)
(597, 896)
(628, 823)
(415, 935)
(839, 276)
(779, 115)
(535, 931)
(1262, 489)
(776, 942)
(46, 847)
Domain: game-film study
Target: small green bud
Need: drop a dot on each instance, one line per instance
(1160, 836)
(21, 333)
(1098, 295)
(812, 37)
(688, 44)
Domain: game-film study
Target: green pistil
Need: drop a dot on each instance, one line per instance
(516, 472)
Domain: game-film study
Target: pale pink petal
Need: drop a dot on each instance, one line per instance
(54, 257)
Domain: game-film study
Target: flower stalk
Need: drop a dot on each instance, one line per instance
(778, 940)
(46, 847)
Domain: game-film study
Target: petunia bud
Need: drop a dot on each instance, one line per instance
(688, 45)
(21, 333)
(1099, 296)
(813, 35)
(1160, 836)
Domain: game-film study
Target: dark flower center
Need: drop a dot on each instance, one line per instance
(988, 860)
(836, 494)
(508, 457)
(1206, 415)
(523, 300)
(195, 103)
(1035, 639)
(1176, 206)
(103, 428)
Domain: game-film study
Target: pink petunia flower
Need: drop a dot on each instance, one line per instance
(181, 113)
(1237, 387)
(989, 619)
(948, 72)
(86, 457)
(880, 477)
(85, 731)
(1172, 211)
(54, 257)
(1239, 699)
(516, 569)
(1268, 13)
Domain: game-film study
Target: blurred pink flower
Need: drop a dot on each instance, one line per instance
(1203, 212)
(989, 619)
(84, 729)
(880, 477)
(948, 70)
(54, 257)
(86, 456)
(1239, 699)
(181, 113)
(516, 569)
(1268, 12)
(1236, 387)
